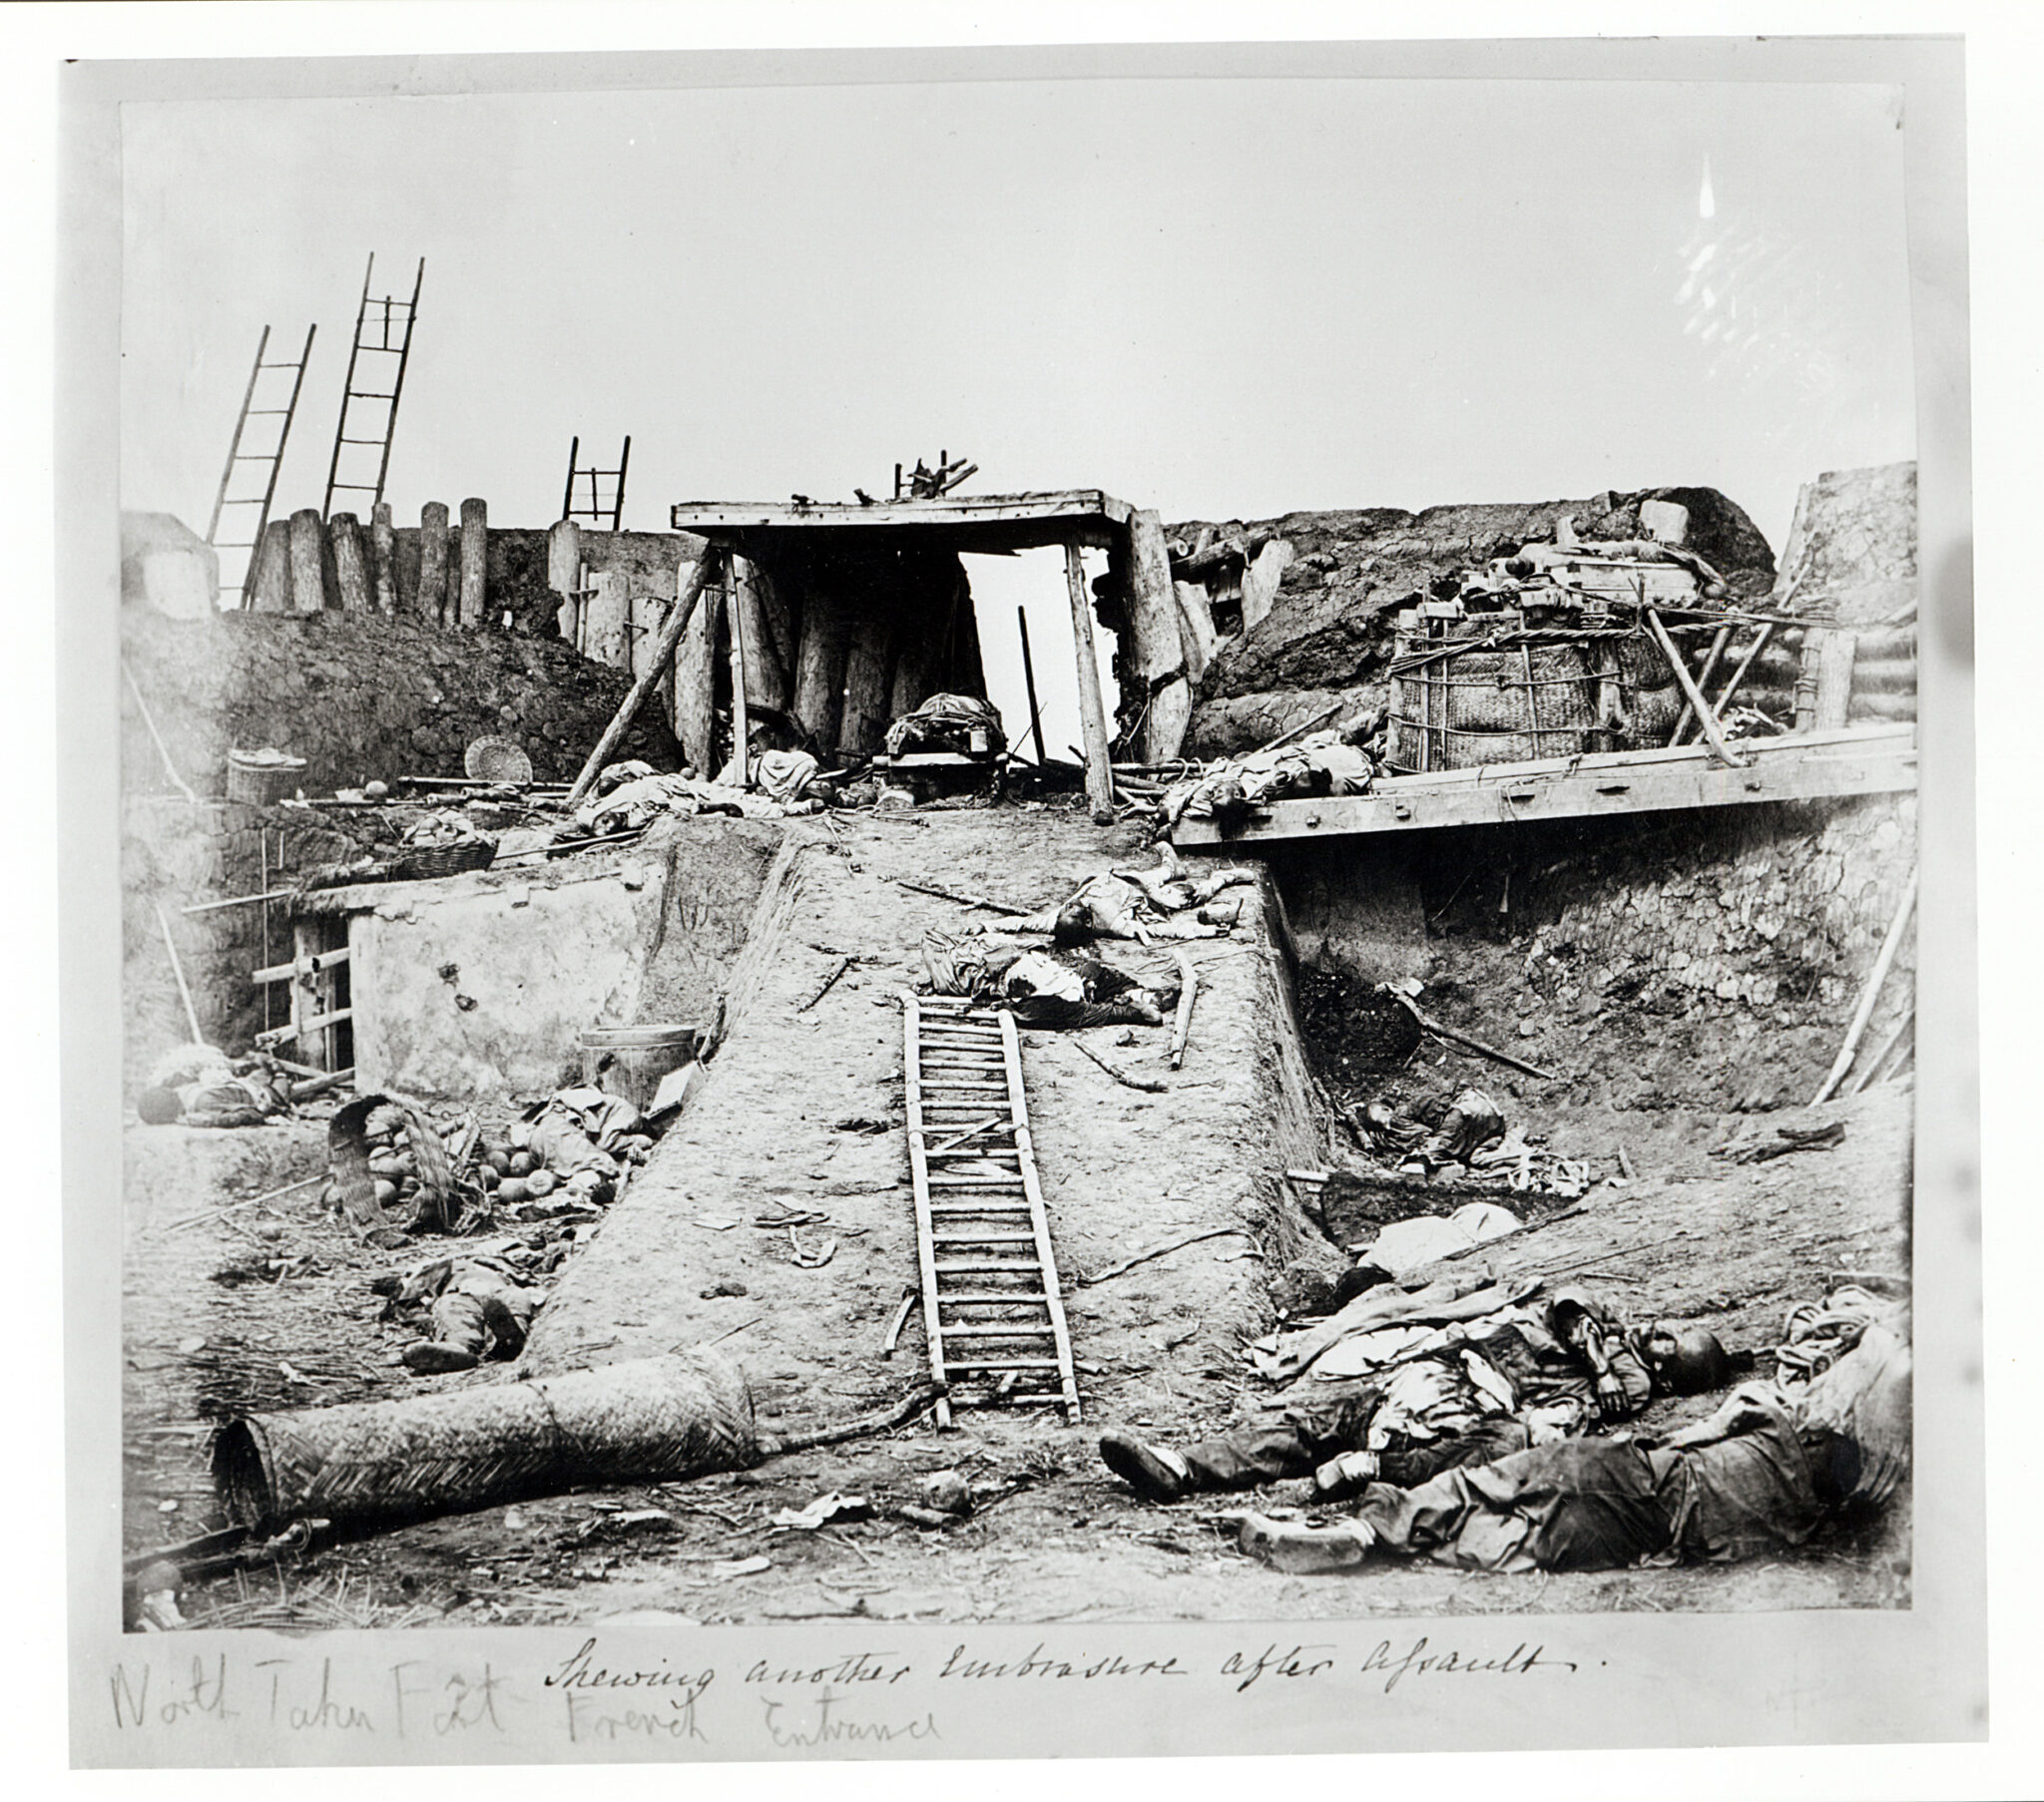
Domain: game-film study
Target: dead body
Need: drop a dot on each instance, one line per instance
(1540, 1370)
(1762, 1474)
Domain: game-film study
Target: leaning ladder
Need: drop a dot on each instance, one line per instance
(273, 456)
(383, 329)
(991, 1305)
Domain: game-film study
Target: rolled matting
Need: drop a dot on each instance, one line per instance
(644, 1420)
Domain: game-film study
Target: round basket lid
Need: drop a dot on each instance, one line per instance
(492, 759)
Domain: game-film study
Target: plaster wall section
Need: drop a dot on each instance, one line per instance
(480, 987)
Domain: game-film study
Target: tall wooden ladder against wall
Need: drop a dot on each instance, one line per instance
(384, 329)
(990, 1300)
(584, 499)
(268, 455)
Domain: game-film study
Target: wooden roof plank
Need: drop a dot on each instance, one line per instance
(1862, 760)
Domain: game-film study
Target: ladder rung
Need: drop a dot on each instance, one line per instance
(984, 1239)
(1001, 1364)
(996, 1332)
(267, 413)
(376, 441)
(987, 1298)
(367, 394)
(981, 1266)
(980, 1207)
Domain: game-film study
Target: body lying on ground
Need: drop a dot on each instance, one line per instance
(1771, 1465)
(1046, 988)
(1325, 762)
(1548, 1365)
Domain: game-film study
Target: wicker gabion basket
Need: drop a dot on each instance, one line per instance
(647, 1419)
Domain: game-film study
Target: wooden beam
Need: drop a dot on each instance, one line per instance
(662, 654)
(1092, 714)
(1858, 760)
(1155, 652)
(945, 509)
(1705, 718)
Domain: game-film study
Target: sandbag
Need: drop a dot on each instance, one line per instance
(645, 1420)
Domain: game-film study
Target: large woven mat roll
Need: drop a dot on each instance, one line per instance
(644, 1420)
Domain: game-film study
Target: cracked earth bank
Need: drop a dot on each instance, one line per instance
(783, 1125)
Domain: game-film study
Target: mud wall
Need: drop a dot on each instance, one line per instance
(479, 987)
(1709, 959)
(362, 696)
(1322, 635)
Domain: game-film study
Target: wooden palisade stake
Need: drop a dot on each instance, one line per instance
(628, 710)
(1091, 712)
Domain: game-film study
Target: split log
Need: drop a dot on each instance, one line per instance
(607, 625)
(968, 669)
(1091, 712)
(695, 711)
(473, 598)
(628, 709)
(308, 589)
(862, 720)
(564, 576)
(383, 557)
(349, 566)
(819, 667)
(1832, 653)
(270, 585)
(764, 638)
(432, 593)
(1155, 652)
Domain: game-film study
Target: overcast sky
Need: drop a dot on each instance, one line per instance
(1219, 298)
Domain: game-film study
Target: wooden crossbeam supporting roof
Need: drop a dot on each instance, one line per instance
(1870, 759)
(976, 523)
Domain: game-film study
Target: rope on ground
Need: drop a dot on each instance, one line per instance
(1143, 1258)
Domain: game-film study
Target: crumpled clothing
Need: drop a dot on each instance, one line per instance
(1425, 1400)
(783, 775)
(954, 966)
(1407, 1244)
(1323, 762)
(603, 1116)
(478, 1305)
(1818, 1334)
(637, 803)
(947, 722)
(1472, 1121)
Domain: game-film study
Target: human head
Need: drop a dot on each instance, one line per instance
(158, 1106)
(1682, 1360)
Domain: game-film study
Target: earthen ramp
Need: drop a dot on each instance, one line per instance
(802, 1114)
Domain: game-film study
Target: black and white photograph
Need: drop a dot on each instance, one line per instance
(1001, 902)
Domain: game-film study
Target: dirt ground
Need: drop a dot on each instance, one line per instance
(249, 1307)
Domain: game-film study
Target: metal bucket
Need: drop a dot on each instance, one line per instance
(630, 1061)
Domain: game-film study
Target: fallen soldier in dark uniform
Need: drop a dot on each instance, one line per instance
(1542, 1370)
(1775, 1463)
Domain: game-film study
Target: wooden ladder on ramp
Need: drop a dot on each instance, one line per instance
(990, 1299)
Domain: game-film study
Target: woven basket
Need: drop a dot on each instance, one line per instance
(260, 784)
(492, 759)
(429, 861)
(647, 1420)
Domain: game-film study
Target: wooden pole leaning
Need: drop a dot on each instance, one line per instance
(1705, 717)
(706, 568)
(1091, 712)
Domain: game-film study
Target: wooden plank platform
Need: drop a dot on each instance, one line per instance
(1870, 760)
(988, 522)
